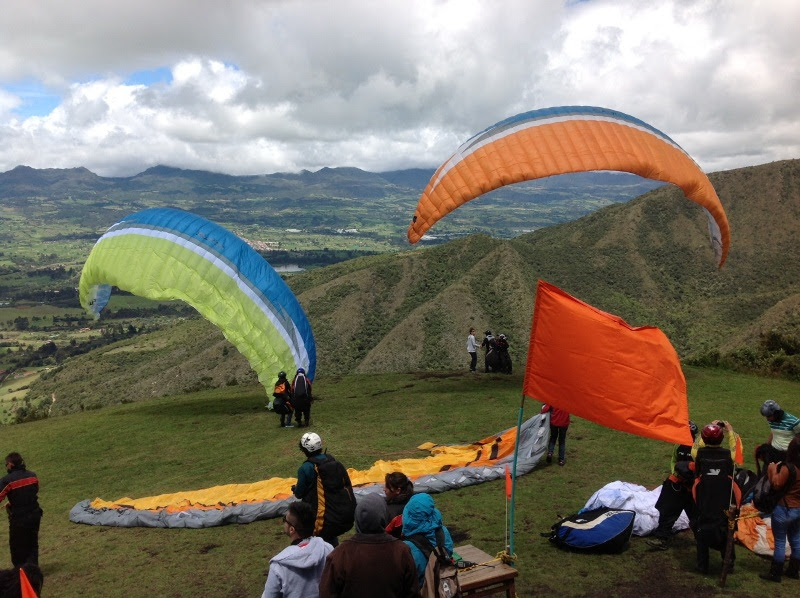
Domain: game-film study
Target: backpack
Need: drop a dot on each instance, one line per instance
(713, 489)
(441, 573)
(766, 497)
(598, 530)
(332, 497)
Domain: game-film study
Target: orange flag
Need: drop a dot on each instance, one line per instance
(508, 483)
(25, 586)
(597, 367)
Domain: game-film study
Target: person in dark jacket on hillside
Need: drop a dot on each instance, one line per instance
(282, 404)
(321, 473)
(370, 563)
(21, 488)
(676, 493)
(301, 394)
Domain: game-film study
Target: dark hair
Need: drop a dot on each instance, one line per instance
(15, 459)
(793, 452)
(304, 517)
(396, 480)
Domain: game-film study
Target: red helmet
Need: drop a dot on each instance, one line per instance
(711, 434)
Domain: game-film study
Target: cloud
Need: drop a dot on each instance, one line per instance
(261, 86)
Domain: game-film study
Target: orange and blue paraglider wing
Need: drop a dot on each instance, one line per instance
(561, 140)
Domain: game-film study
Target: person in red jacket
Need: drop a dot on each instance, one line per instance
(559, 422)
(21, 488)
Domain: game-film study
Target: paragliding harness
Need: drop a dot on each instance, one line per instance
(282, 404)
(766, 497)
(599, 530)
(301, 387)
(333, 498)
(712, 491)
(441, 573)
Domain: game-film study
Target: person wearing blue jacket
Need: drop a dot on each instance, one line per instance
(420, 516)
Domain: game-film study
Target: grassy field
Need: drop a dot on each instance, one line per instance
(216, 437)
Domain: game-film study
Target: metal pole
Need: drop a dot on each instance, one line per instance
(514, 478)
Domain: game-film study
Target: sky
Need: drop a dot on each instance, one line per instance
(256, 87)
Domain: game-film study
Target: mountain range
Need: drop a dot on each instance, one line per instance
(648, 260)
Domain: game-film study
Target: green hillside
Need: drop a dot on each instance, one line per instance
(201, 439)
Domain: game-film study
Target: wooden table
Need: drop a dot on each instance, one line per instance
(486, 579)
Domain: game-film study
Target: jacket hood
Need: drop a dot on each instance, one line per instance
(371, 514)
(306, 554)
(420, 516)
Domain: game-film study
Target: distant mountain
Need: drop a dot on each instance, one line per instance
(648, 261)
(378, 204)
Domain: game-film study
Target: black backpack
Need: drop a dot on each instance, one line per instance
(766, 497)
(441, 574)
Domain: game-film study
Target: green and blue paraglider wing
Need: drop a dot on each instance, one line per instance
(165, 253)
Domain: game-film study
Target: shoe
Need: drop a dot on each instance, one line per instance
(657, 543)
(288, 426)
(703, 570)
(561, 462)
(549, 457)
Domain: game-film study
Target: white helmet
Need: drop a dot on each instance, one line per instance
(311, 442)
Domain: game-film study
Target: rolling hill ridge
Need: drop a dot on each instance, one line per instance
(648, 261)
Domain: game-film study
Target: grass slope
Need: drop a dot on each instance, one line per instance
(201, 439)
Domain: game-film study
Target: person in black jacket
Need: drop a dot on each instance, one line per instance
(21, 488)
(322, 475)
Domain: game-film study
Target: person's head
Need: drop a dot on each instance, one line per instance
(488, 333)
(693, 429)
(394, 484)
(771, 410)
(371, 514)
(420, 515)
(712, 435)
(14, 461)
(298, 522)
(472, 331)
(311, 443)
(503, 336)
(301, 370)
(281, 375)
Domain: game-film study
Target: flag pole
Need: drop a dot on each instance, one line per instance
(514, 480)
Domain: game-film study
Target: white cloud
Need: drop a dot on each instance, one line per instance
(261, 86)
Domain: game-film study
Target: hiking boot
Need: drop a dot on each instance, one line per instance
(549, 457)
(561, 462)
(658, 543)
(775, 572)
(289, 425)
(793, 570)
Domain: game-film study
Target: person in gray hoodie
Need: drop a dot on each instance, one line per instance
(370, 563)
(296, 570)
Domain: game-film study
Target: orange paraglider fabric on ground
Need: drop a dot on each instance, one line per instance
(560, 140)
(478, 454)
(595, 366)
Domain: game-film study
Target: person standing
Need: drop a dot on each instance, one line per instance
(559, 423)
(472, 349)
(301, 393)
(323, 476)
(282, 391)
(488, 344)
(786, 515)
(783, 428)
(21, 487)
(713, 493)
(676, 493)
(371, 562)
(296, 570)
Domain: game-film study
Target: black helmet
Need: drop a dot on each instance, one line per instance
(770, 408)
(488, 333)
(281, 374)
(693, 428)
